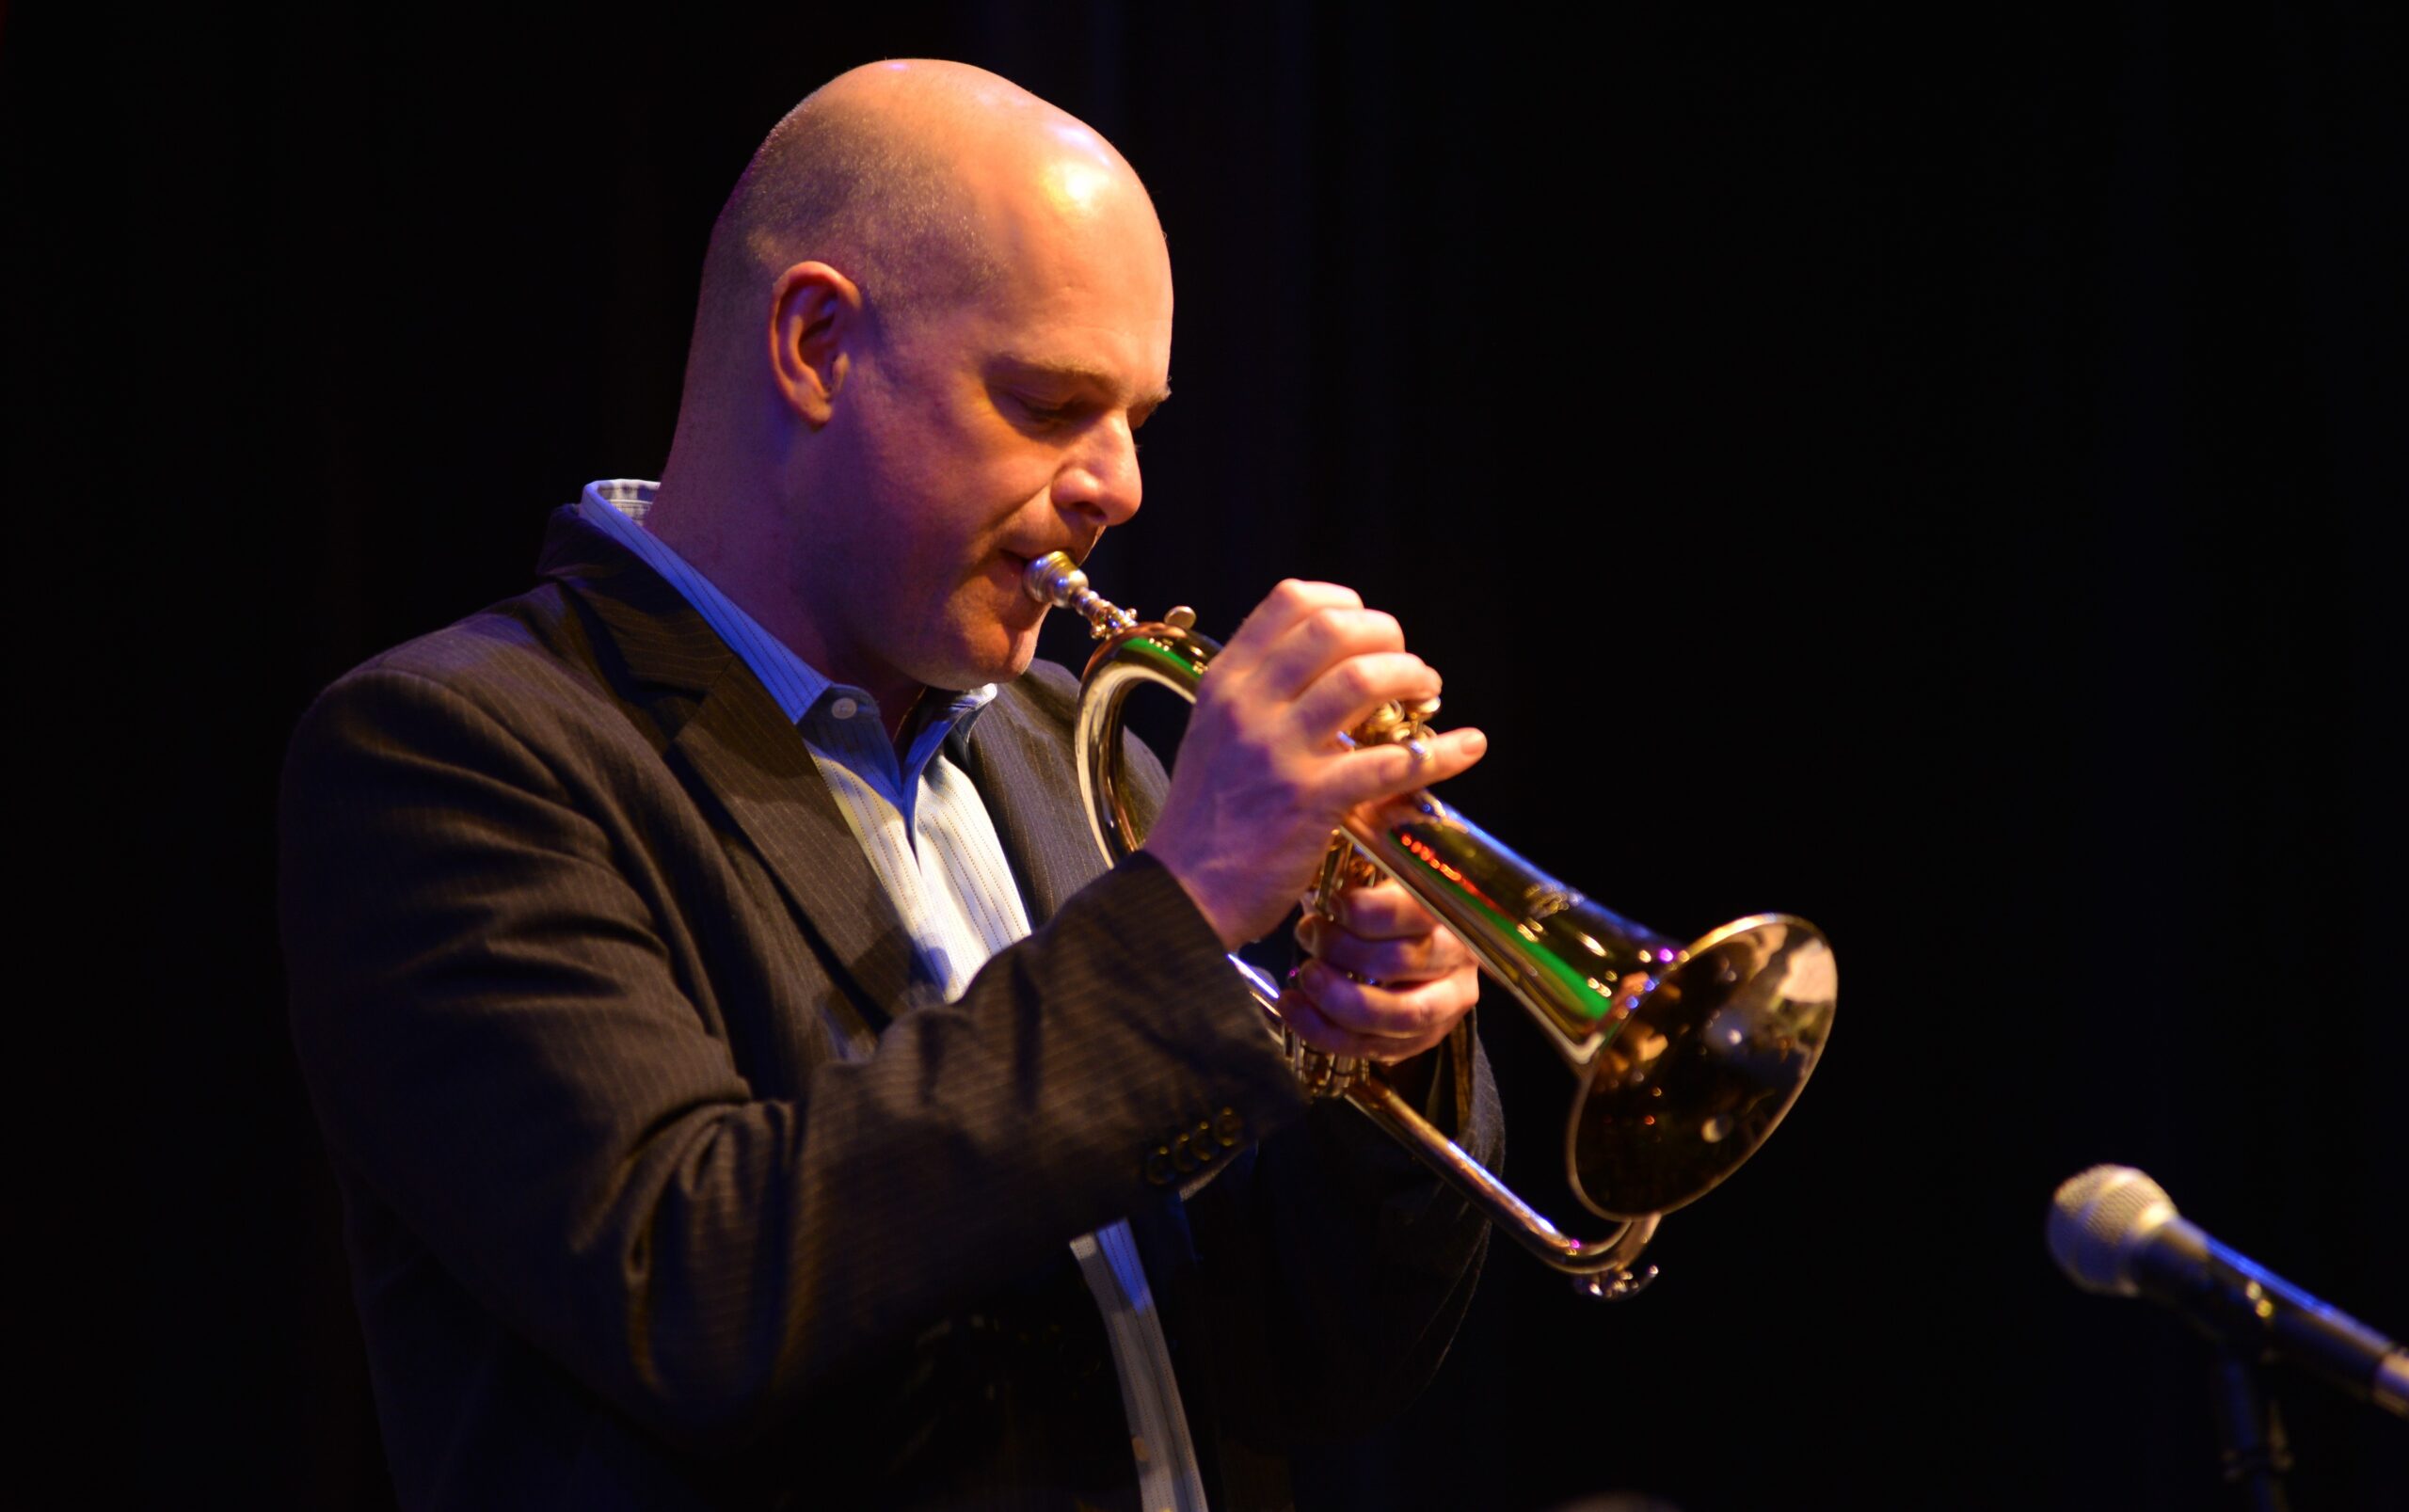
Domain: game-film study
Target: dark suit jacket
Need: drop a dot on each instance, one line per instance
(585, 964)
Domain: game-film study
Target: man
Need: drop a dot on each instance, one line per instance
(692, 1156)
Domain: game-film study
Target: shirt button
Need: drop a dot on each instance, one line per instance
(844, 709)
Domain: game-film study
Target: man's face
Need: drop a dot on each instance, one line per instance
(971, 439)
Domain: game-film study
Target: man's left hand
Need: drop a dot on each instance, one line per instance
(1387, 980)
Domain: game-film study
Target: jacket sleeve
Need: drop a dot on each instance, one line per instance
(502, 1057)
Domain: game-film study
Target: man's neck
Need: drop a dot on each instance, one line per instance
(747, 572)
(902, 724)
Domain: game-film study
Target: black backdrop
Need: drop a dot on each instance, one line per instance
(1925, 473)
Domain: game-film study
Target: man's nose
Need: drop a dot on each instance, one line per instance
(1103, 480)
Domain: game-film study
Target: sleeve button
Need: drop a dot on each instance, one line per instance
(1229, 1129)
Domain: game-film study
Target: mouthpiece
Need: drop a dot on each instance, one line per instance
(1053, 578)
(1056, 580)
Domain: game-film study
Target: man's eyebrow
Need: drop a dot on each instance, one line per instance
(1084, 375)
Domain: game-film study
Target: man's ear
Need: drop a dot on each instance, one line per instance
(815, 318)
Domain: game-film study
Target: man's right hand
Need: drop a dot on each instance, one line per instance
(1261, 776)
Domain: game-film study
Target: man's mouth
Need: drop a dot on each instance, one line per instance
(1021, 560)
(1021, 565)
(1077, 550)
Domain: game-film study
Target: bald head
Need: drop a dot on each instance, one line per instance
(903, 175)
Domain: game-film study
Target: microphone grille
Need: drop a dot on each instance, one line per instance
(2096, 1220)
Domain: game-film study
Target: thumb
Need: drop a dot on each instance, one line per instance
(1381, 772)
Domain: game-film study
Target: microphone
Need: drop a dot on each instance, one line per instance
(2114, 1230)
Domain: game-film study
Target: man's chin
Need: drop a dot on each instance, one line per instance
(1000, 660)
(1023, 652)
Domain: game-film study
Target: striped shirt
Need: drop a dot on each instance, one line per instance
(930, 840)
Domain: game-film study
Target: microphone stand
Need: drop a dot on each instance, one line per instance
(2251, 1451)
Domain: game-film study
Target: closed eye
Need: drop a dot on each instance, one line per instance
(1034, 412)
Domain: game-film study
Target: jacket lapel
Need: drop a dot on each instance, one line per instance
(1019, 760)
(725, 729)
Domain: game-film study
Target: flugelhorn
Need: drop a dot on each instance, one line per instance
(1687, 1057)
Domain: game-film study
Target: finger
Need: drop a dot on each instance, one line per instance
(1393, 961)
(1345, 692)
(1271, 620)
(1328, 638)
(1419, 1012)
(1326, 1024)
(1383, 910)
(1377, 773)
(1300, 1013)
